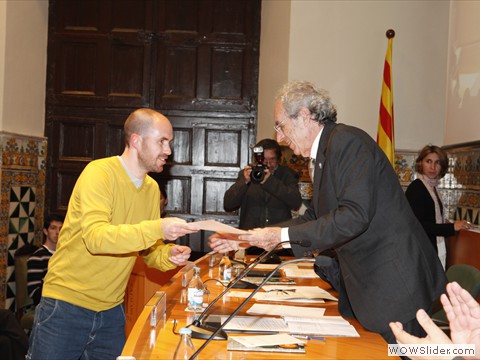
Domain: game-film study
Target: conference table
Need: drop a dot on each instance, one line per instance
(148, 340)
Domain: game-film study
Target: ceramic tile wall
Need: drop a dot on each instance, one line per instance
(22, 171)
(460, 188)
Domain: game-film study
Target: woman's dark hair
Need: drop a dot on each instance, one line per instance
(432, 149)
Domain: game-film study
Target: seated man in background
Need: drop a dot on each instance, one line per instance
(268, 200)
(37, 263)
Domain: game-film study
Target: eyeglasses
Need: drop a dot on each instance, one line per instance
(270, 159)
(279, 126)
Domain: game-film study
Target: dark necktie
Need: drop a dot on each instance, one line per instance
(311, 168)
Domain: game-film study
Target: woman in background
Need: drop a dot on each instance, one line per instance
(432, 165)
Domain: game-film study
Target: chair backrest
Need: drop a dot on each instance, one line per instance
(22, 299)
(467, 276)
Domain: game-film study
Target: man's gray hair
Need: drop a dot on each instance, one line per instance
(296, 95)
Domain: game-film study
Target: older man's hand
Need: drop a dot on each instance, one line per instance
(221, 245)
(265, 238)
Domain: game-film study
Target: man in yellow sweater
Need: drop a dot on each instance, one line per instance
(113, 216)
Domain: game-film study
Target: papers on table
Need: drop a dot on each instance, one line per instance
(322, 325)
(286, 310)
(475, 229)
(294, 293)
(258, 280)
(255, 323)
(299, 272)
(267, 340)
(288, 293)
(322, 319)
(281, 348)
(325, 326)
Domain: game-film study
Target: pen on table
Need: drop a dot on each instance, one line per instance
(306, 337)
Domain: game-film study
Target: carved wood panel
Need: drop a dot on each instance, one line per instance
(196, 61)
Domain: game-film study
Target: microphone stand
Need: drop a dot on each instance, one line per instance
(201, 331)
(244, 302)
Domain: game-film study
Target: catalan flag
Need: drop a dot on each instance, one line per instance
(385, 135)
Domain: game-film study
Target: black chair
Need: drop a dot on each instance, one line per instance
(25, 310)
(13, 340)
(468, 277)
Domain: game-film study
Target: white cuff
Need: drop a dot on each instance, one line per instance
(285, 237)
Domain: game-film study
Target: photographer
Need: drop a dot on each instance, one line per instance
(267, 201)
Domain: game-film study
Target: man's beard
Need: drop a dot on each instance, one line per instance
(148, 164)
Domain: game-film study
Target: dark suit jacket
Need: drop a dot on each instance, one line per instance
(424, 209)
(389, 269)
(267, 204)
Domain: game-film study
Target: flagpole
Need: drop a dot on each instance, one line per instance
(390, 34)
(385, 134)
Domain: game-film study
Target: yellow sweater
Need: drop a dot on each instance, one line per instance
(109, 221)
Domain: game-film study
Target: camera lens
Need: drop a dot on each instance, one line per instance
(257, 174)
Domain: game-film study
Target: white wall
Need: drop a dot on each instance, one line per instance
(3, 22)
(463, 91)
(24, 62)
(274, 54)
(341, 46)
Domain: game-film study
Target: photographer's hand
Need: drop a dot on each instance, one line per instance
(246, 173)
(267, 175)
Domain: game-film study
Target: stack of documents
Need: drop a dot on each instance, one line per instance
(266, 343)
(288, 293)
(295, 325)
(326, 326)
(286, 310)
(297, 270)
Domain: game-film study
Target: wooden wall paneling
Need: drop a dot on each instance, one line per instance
(114, 141)
(77, 140)
(194, 61)
(77, 79)
(64, 180)
(215, 40)
(128, 68)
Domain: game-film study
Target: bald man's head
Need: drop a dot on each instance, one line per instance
(141, 122)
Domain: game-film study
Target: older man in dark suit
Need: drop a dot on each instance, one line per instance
(388, 268)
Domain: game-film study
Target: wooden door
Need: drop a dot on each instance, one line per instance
(195, 61)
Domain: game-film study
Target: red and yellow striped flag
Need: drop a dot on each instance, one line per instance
(385, 135)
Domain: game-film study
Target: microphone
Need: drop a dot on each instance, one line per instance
(203, 331)
(244, 302)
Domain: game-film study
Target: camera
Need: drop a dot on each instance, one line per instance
(258, 173)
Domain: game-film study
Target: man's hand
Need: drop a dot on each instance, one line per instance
(265, 238)
(174, 227)
(220, 245)
(268, 173)
(434, 334)
(463, 313)
(179, 255)
(246, 173)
